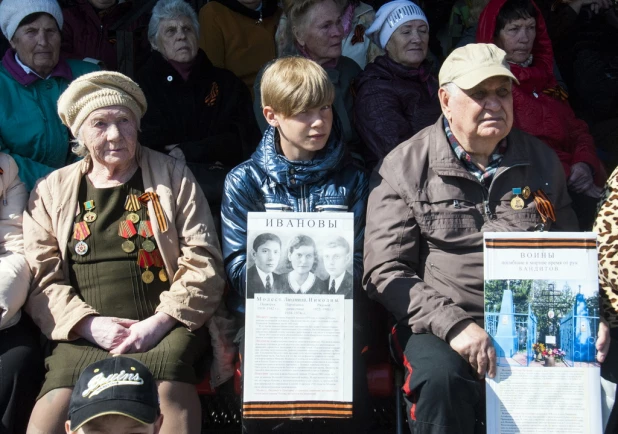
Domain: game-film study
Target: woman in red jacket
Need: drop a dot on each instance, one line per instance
(540, 105)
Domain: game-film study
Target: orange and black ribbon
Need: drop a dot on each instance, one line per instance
(557, 92)
(132, 203)
(544, 206)
(150, 196)
(126, 229)
(359, 34)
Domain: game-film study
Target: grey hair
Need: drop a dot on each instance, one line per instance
(78, 147)
(167, 10)
(451, 88)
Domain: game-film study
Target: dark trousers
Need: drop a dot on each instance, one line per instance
(585, 208)
(21, 374)
(442, 392)
(361, 421)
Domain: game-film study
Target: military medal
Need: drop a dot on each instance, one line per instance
(526, 193)
(126, 229)
(90, 216)
(81, 231)
(133, 218)
(517, 202)
(145, 260)
(145, 230)
(158, 262)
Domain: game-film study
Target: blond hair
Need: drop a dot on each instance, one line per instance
(291, 85)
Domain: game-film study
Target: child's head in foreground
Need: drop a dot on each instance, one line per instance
(297, 98)
(116, 395)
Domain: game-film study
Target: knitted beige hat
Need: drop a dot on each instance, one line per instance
(97, 90)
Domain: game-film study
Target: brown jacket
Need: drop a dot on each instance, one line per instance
(190, 250)
(426, 217)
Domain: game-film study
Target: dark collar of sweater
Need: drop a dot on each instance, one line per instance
(62, 70)
(269, 7)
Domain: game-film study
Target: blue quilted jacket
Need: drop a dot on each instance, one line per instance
(270, 182)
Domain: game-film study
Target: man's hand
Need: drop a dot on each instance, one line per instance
(581, 180)
(603, 341)
(105, 331)
(474, 345)
(146, 334)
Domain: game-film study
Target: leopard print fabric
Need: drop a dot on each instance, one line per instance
(606, 226)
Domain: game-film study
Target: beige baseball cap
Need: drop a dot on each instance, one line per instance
(469, 65)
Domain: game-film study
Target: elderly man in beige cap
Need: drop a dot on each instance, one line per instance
(433, 197)
(125, 259)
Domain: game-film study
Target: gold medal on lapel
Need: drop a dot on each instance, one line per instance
(162, 276)
(517, 202)
(133, 217)
(90, 216)
(128, 246)
(147, 277)
(526, 193)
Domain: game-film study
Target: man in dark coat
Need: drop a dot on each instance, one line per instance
(337, 257)
(261, 277)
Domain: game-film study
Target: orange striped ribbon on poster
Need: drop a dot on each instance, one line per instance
(544, 206)
(150, 196)
(541, 243)
(265, 410)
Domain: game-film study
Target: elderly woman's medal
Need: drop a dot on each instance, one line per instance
(145, 260)
(126, 230)
(145, 230)
(132, 204)
(90, 216)
(81, 231)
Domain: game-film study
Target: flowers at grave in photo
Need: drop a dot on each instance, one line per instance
(538, 348)
(557, 353)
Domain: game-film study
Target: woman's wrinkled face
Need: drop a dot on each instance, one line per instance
(517, 39)
(322, 32)
(177, 40)
(38, 44)
(408, 44)
(110, 134)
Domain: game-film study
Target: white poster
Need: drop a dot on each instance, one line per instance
(298, 320)
(542, 312)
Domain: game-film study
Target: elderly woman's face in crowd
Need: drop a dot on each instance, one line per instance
(321, 32)
(408, 44)
(177, 39)
(102, 4)
(484, 112)
(38, 44)
(517, 39)
(110, 134)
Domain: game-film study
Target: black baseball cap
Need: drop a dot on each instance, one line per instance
(118, 385)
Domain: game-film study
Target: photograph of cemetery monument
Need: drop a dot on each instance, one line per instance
(542, 323)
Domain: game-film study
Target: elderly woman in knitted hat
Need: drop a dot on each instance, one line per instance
(396, 95)
(32, 77)
(124, 256)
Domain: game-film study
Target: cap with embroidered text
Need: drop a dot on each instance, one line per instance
(118, 385)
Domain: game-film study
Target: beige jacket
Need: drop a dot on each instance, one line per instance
(14, 271)
(189, 247)
(425, 221)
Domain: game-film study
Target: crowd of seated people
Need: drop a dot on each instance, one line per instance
(139, 187)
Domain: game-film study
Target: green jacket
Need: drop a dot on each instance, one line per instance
(30, 129)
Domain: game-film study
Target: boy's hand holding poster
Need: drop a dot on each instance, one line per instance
(298, 327)
(542, 312)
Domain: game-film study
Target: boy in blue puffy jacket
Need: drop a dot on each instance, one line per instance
(301, 165)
